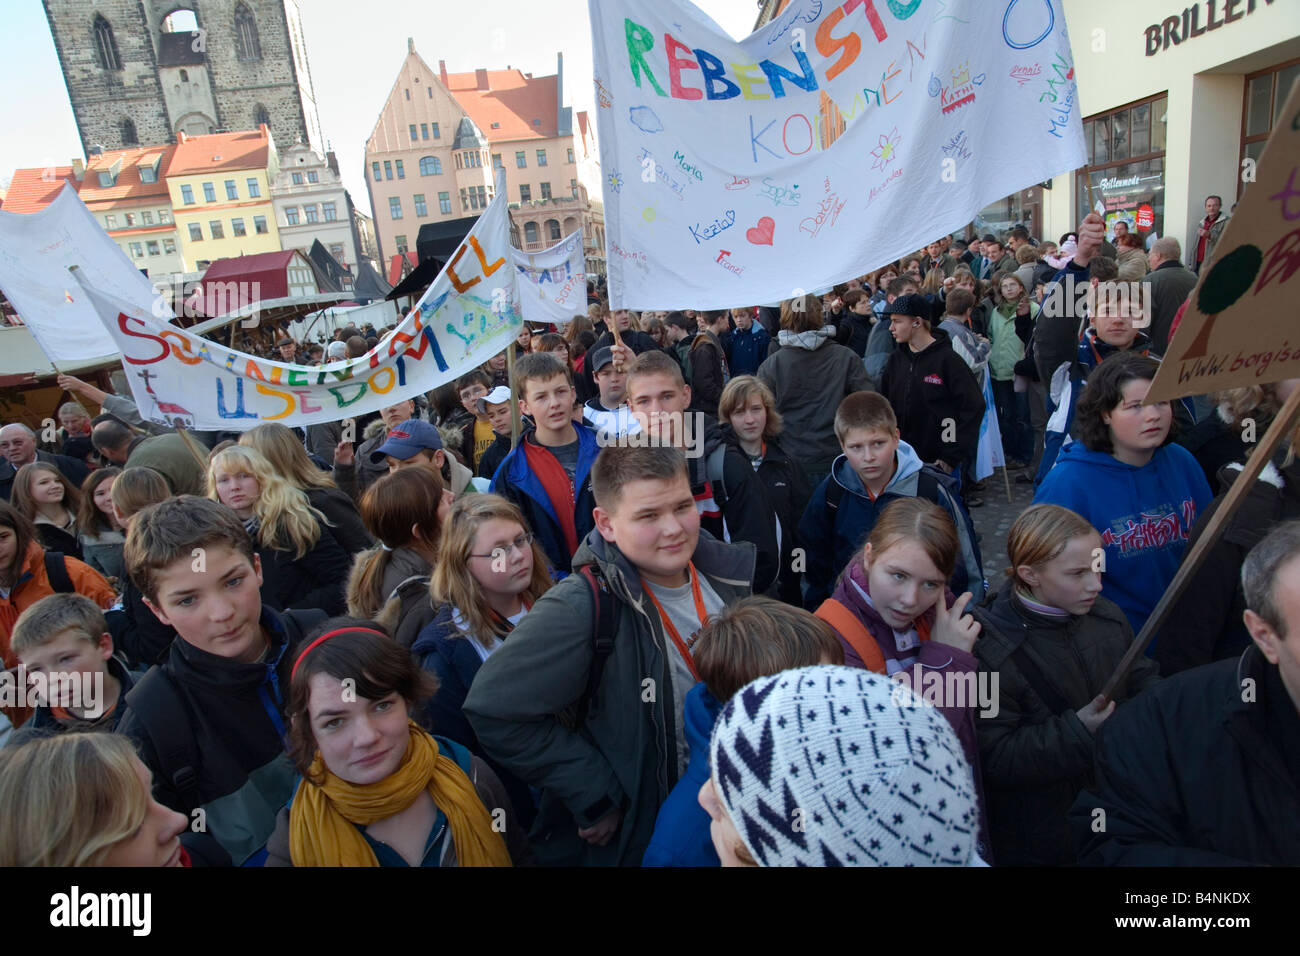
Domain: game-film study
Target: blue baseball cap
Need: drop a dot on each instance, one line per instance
(407, 440)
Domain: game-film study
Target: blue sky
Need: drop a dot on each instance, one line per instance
(355, 51)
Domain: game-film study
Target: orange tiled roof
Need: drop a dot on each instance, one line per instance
(220, 151)
(128, 184)
(31, 190)
(512, 100)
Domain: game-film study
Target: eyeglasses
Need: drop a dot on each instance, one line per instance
(520, 544)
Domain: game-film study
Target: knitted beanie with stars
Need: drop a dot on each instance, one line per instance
(837, 766)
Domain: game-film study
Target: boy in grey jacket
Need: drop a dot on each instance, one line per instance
(603, 780)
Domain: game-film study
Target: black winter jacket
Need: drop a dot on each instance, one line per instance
(852, 331)
(708, 373)
(786, 491)
(1035, 758)
(742, 512)
(233, 722)
(927, 387)
(345, 522)
(138, 635)
(1209, 627)
(1203, 770)
(316, 580)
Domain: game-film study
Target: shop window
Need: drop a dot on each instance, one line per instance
(1266, 93)
(1126, 167)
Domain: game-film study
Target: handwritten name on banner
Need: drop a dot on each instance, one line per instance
(553, 282)
(836, 138)
(469, 314)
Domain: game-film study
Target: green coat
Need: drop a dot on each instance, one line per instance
(625, 755)
(1035, 762)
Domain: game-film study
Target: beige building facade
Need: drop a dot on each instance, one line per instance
(440, 137)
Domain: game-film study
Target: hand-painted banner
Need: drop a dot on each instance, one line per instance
(1240, 326)
(469, 314)
(836, 138)
(552, 283)
(36, 251)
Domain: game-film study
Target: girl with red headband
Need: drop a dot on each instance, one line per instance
(376, 788)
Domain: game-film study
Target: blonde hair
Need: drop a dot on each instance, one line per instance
(740, 391)
(452, 581)
(137, 488)
(281, 447)
(68, 799)
(285, 519)
(1260, 402)
(1040, 534)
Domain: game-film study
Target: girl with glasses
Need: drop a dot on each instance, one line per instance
(489, 573)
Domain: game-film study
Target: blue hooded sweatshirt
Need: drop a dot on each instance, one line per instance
(1144, 516)
(833, 535)
(681, 836)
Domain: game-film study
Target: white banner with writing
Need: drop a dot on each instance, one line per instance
(836, 138)
(552, 282)
(469, 314)
(36, 250)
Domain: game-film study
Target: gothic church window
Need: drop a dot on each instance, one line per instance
(105, 45)
(246, 34)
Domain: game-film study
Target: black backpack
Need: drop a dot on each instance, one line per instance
(56, 569)
(165, 716)
(604, 625)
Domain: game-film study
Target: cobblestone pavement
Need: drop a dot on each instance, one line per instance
(993, 520)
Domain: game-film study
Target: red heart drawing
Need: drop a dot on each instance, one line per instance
(761, 235)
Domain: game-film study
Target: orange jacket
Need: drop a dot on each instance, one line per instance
(32, 585)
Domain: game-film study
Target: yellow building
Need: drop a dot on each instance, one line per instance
(126, 190)
(220, 188)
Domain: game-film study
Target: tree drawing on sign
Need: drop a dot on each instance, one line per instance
(1226, 283)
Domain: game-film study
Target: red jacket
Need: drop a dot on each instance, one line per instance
(32, 585)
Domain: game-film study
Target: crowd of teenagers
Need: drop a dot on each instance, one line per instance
(721, 603)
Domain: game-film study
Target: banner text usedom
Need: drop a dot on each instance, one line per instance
(469, 314)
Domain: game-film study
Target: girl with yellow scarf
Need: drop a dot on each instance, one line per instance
(376, 788)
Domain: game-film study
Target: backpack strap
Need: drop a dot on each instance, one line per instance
(602, 636)
(850, 627)
(1038, 683)
(56, 569)
(715, 471)
(165, 718)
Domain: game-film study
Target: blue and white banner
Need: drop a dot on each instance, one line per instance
(469, 314)
(552, 282)
(838, 137)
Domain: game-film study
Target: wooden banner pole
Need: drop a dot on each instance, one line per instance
(1283, 425)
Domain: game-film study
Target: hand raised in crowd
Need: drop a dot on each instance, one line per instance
(600, 833)
(1092, 233)
(623, 357)
(954, 627)
(948, 283)
(344, 453)
(75, 385)
(1023, 307)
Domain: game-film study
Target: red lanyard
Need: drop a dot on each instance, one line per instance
(671, 630)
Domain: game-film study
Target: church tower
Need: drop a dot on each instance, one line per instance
(140, 71)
